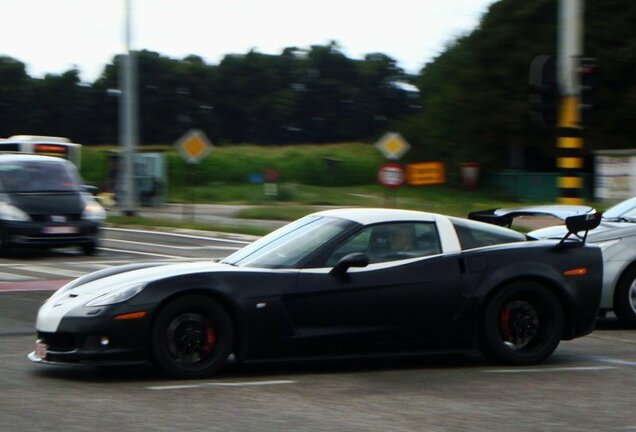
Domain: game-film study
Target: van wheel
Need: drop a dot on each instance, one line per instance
(5, 250)
(89, 249)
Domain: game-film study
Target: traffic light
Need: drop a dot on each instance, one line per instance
(588, 81)
(544, 92)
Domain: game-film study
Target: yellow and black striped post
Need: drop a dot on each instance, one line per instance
(569, 152)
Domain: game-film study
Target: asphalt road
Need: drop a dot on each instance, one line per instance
(587, 385)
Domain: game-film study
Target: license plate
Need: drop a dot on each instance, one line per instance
(40, 350)
(60, 230)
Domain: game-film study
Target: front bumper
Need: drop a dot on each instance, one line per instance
(97, 340)
(49, 234)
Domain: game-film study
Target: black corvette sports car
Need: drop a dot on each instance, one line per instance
(335, 283)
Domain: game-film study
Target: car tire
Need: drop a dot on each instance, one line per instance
(625, 298)
(89, 249)
(522, 324)
(4, 249)
(192, 337)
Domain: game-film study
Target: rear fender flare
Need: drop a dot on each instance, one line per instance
(538, 272)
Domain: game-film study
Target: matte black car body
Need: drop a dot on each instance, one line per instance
(356, 304)
(47, 207)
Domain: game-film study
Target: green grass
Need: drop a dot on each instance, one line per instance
(435, 199)
(355, 163)
(282, 213)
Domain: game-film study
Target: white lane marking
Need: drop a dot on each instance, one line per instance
(105, 263)
(54, 271)
(173, 247)
(10, 277)
(612, 360)
(142, 253)
(221, 384)
(538, 370)
(190, 236)
(95, 266)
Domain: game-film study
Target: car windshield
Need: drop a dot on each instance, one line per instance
(289, 245)
(624, 210)
(38, 176)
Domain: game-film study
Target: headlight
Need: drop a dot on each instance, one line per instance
(92, 210)
(117, 296)
(12, 213)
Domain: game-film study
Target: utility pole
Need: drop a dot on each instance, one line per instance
(569, 128)
(128, 121)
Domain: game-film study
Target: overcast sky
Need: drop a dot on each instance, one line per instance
(53, 36)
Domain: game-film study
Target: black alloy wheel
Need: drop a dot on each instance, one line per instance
(522, 323)
(192, 337)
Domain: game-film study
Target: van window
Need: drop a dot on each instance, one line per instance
(38, 176)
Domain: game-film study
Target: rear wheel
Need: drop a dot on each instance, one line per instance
(192, 337)
(625, 298)
(522, 324)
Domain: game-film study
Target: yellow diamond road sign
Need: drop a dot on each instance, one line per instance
(194, 146)
(392, 146)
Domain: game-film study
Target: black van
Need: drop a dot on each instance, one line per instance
(43, 204)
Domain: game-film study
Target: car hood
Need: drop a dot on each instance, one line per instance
(37, 203)
(605, 231)
(102, 282)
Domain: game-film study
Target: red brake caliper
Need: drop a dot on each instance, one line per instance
(504, 322)
(210, 339)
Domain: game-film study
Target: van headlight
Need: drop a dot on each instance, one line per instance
(9, 212)
(93, 211)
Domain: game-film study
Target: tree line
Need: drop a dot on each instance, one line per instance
(315, 95)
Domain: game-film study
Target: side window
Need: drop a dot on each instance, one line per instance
(473, 235)
(390, 242)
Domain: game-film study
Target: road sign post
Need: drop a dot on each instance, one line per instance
(193, 147)
(391, 175)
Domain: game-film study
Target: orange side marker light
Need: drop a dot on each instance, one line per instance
(582, 271)
(132, 315)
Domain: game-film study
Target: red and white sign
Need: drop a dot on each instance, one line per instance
(391, 175)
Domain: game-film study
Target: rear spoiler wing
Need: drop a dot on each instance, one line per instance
(577, 218)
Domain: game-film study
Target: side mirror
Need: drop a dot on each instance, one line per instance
(93, 190)
(356, 259)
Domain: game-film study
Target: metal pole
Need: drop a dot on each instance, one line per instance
(128, 120)
(569, 130)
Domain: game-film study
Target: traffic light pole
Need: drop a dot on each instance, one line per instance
(569, 129)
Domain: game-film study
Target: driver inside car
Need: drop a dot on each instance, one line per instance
(402, 238)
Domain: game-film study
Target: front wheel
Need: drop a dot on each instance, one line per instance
(522, 323)
(625, 298)
(192, 337)
(89, 249)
